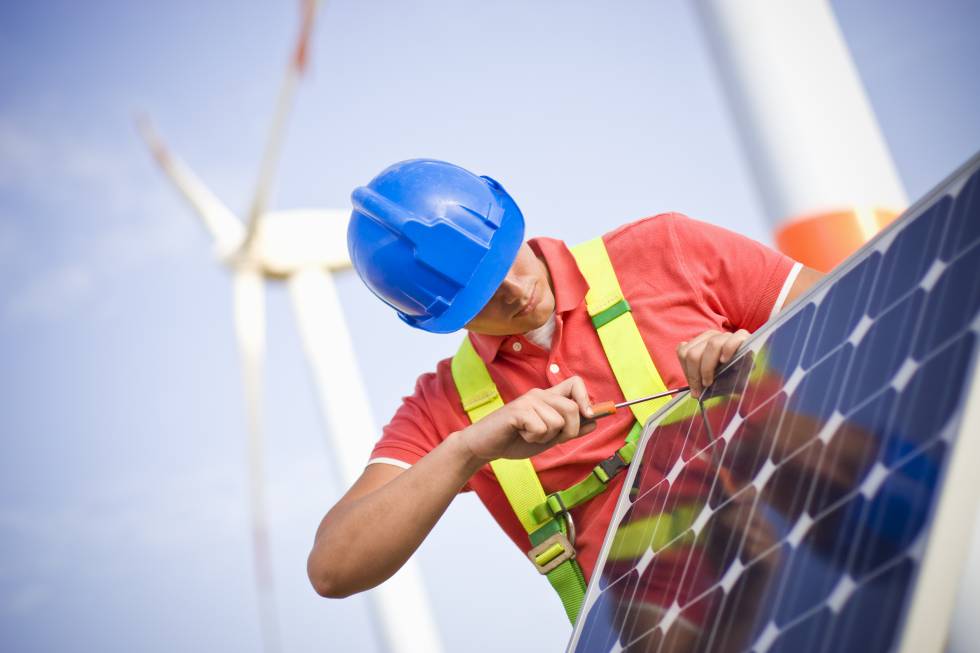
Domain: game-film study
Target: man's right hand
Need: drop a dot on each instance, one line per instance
(349, 557)
(532, 423)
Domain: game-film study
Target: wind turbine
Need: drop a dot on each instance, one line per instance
(302, 248)
(821, 164)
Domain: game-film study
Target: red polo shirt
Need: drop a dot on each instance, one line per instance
(681, 278)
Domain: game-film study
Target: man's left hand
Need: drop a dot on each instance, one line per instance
(701, 357)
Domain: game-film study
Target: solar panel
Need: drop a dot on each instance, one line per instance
(819, 497)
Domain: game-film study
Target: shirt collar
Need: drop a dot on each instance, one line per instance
(568, 283)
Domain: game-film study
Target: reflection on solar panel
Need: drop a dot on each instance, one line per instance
(796, 507)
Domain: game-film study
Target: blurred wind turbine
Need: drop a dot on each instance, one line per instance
(302, 247)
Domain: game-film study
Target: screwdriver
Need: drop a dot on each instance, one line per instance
(607, 408)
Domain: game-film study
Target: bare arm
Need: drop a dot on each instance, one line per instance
(384, 517)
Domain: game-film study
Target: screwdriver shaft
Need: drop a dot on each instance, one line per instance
(606, 408)
(624, 404)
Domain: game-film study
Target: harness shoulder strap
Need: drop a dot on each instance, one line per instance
(621, 340)
(480, 397)
(552, 552)
(477, 391)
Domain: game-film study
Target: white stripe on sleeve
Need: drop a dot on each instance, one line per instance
(390, 461)
(787, 285)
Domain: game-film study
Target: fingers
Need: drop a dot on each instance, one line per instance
(689, 354)
(574, 388)
(570, 413)
(531, 427)
(544, 415)
(710, 358)
(553, 420)
(557, 412)
(701, 356)
(732, 344)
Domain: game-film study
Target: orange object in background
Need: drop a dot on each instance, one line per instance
(823, 240)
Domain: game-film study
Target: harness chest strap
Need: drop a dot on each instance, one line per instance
(543, 516)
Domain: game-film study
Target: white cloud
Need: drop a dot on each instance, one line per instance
(198, 517)
(155, 233)
(135, 220)
(53, 294)
(21, 155)
(39, 158)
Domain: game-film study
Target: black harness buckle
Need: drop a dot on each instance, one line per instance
(612, 465)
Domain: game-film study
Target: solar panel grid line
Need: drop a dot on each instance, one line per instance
(944, 555)
(695, 529)
(696, 598)
(809, 490)
(717, 630)
(831, 507)
(676, 470)
(679, 572)
(869, 399)
(622, 505)
(839, 598)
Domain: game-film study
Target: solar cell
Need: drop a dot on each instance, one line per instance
(800, 504)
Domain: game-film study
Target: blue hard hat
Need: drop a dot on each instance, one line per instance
(433, 241)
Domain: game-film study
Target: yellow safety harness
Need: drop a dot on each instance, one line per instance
(546, 517)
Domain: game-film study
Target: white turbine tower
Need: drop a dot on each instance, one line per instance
(304, 248)
(821, 164)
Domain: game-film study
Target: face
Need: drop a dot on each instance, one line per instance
(523, 301)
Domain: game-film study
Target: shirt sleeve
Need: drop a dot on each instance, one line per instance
(421, 422)
(411, 433)
(737, 277)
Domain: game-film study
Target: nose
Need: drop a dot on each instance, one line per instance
(510, 290)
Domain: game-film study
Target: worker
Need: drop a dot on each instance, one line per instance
(656, 304)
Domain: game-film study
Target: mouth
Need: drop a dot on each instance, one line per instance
(533, 298)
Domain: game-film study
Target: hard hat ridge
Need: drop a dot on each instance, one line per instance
(433, 241)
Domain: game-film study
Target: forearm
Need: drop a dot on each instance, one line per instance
(365, 539)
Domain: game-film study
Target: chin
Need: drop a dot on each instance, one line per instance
(546, 310)
(539, 318)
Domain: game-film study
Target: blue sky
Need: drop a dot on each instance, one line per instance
(123, 517)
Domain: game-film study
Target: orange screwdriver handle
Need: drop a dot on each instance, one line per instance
(603, 409)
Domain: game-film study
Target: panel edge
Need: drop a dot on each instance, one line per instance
(931, 606)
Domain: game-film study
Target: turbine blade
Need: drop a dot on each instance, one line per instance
(305, 30)
(340, 390)
(297, 64)
(401, 603)
(223, 225)
(249, 297)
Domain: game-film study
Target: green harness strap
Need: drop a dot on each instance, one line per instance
(552, 553)
(544, 516)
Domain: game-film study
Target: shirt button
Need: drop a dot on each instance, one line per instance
(517, 346)
(553, 368)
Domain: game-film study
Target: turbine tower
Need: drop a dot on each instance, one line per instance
(303, 248)
(821, 166)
